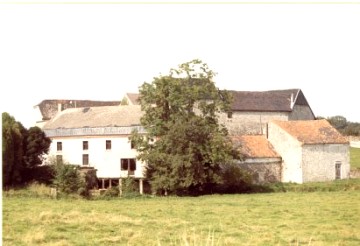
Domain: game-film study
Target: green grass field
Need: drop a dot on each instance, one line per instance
(355, 158)
(290, 218)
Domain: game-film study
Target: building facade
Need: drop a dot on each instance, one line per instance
(99, 138)
(312, 151)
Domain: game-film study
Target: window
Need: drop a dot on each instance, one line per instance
(338, 170)
(128, 165)
(108, 144)
(59, 146)
(59, 159)
(85, 159)
(229, 114)
(132, 145)
(85, 145)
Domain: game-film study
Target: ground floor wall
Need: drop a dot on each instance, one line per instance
(264, 170)
(325, 162)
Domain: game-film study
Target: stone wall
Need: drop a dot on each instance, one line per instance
(301, 112)
(290, 151)
(319, 160)
(250, 123)
(263, 170)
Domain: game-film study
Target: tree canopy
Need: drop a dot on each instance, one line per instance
(344, 126)
(22, 149)
(185, 146)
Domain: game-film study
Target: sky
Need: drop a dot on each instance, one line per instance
(101, 51)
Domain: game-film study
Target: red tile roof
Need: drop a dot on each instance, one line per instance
(312, 131)
(255, 146)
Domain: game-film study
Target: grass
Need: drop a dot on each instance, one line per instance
(355, 158)
(286, 218)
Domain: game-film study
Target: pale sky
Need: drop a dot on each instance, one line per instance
(102, 51)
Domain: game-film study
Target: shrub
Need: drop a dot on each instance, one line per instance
(235, 180)
(67, 178)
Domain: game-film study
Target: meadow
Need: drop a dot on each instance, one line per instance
(329, 215)
(325, 213)
(355, 158)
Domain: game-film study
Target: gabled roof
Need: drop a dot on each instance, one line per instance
(133, 98)
(49, 108)
(127, 115)
(312, 131)
(255, 146)
(267, 101)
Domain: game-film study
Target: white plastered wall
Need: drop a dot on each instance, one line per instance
(107, 162)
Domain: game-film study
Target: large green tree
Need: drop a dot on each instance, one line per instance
(181, 115)
(22, 150)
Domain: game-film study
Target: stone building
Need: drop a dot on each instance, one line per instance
(252, 110)
(259, 158)
(311, 151)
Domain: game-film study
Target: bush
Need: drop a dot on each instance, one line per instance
(112, 192)
(67, 178)
(235, 180)
(44, 174)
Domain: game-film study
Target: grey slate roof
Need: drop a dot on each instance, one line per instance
(267, 101)
(108, 116)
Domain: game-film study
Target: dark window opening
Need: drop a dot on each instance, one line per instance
(58, 159)
(128, 165)
(85, 145)
(59, 146)
(108, 144)
(85, 159)
(229, 114)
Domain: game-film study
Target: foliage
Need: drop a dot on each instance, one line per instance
(67, 178)
(37, 145)
(345, 127)
(112, 192)
(235, 180)
(43, 174)
(12, 150)
(181, 115)
(22, 150)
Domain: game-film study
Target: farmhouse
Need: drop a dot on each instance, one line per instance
(98, 137)
(296, 151)
(275, 130)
